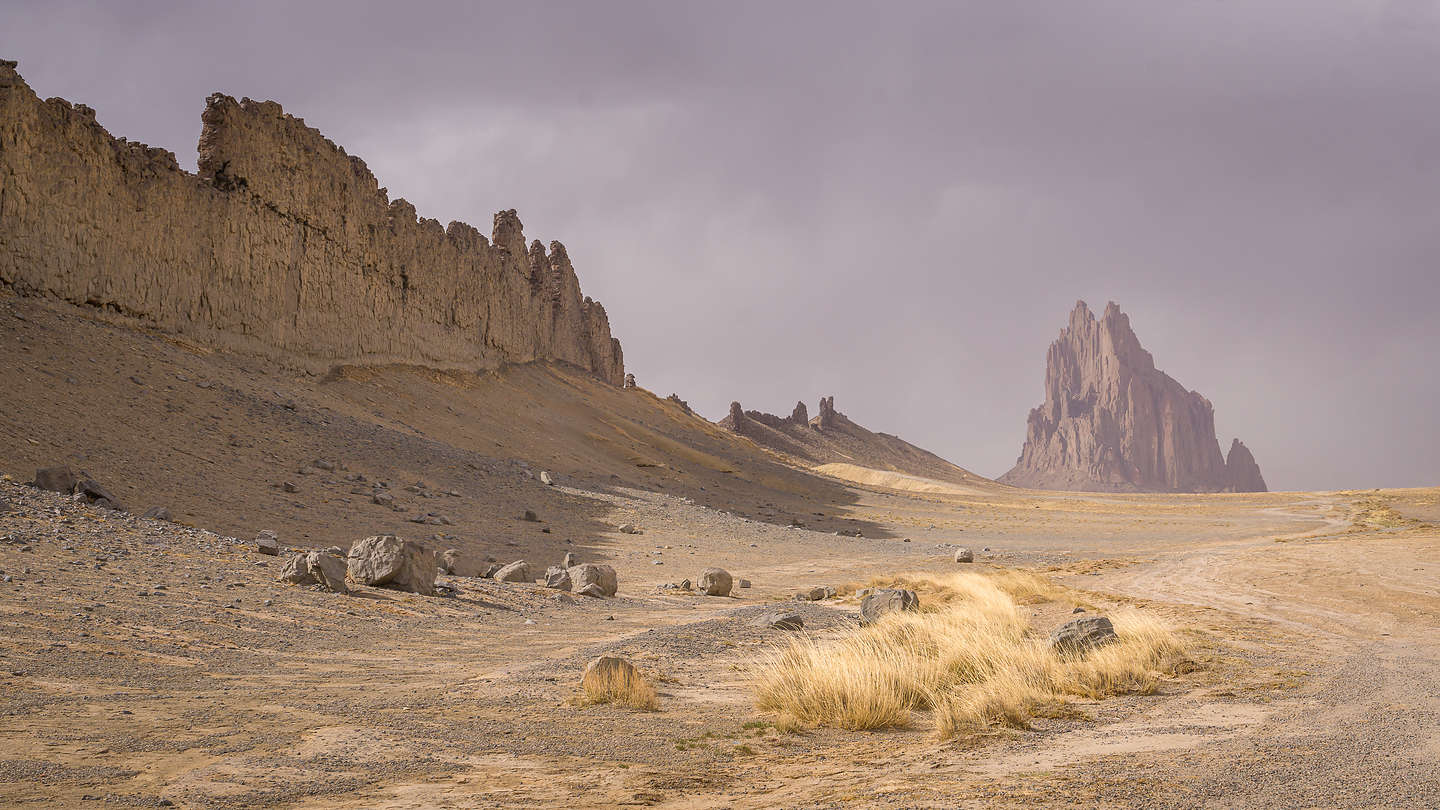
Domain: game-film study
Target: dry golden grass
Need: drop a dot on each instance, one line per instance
(968, 657)
(613, 680)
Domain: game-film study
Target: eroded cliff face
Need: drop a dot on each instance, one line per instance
(282, 244)
(1112, 421)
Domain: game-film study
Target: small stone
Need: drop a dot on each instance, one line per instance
(815, 594)
(267, 542)
(530, 516)
(742, 583)
(547, 478)
(289, 486)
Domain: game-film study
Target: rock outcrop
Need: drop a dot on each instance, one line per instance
(1113, 422)
(1241, 471)
(832, 438)
(282, 244)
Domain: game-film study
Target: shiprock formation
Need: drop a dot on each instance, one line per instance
(1113, 422)
(832, 438)
(281, 244)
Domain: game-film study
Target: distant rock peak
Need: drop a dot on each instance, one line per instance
(1112, 421)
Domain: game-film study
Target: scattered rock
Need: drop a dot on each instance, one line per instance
(558, 578)
(289, 486)
(267, 542)
(629, 528)
(815, 594)
(323, 464)
(715, 582)
(1078, 636)
(742, 583)
(887, 600)
(157, 513)
(518, 571)
(600, 578)
(547, 478)
(382, 498)
(388, 561)
(780, 621)
(530, 516)
(964, 555)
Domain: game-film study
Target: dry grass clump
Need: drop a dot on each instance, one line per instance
(615, 680)
(969, 657)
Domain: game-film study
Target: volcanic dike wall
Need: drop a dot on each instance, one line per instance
(281, 244)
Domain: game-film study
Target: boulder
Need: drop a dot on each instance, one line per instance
(629, 528)
(316, 568)
(964, 555)
(487, 570)
(600, 578)
(157, 513)
(55, 479)
(518, 571)
(267, 542)
(1078, 636)
(569, 560)
(328, 570)
(387, 561)
(558, 578)
(715, 582)
(781, 621)
(815, 594)
(887, 600)
(742, 583)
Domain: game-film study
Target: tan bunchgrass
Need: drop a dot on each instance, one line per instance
(623, 685)
(969, 658)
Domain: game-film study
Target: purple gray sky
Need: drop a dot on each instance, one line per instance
(895, 203)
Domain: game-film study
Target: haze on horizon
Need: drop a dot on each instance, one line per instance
(895, 204)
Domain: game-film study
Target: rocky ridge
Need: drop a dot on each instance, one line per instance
(832, 437)
(282, 244)
(1113, 422)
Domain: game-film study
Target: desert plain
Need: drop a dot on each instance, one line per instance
(154, 662)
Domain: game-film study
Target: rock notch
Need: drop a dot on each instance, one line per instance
(1113, 422)
(282, 244)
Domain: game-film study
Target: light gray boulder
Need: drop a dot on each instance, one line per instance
(593, 579)
(558, 578)
(518, 571)
(716, 582)
(387, 561)
(267, 542)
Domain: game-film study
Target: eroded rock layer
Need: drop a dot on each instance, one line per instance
(281, 244)
(1112, 421)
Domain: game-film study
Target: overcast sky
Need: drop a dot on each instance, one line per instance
(894, 203)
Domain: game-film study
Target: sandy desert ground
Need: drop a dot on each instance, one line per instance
(151, 663)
